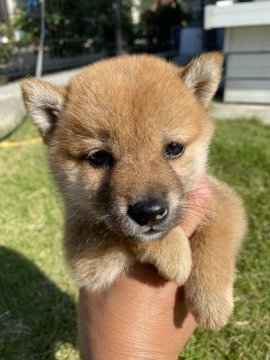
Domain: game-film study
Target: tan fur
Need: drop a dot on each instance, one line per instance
(132, 106)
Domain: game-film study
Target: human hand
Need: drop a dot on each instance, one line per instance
(142, 316)
(199, 200)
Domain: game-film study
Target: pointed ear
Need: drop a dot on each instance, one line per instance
(202, 76)
(44, 103)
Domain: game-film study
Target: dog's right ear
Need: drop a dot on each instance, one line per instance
(44, 103)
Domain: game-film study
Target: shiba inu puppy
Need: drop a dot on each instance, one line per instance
(126, 141)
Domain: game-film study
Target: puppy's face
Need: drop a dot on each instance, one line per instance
(127, 139)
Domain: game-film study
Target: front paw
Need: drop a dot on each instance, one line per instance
(171, 256)
(212, 311)
(99, 273)
(177, 270)
(175, 263)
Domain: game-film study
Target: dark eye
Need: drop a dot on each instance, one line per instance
(100, 158)
(174, 150)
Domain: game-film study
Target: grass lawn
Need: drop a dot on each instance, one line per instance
(37, 298)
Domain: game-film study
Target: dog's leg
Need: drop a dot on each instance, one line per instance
(209, 289)
(171, 255)
(97, 268)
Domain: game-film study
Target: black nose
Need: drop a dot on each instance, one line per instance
(148, 212)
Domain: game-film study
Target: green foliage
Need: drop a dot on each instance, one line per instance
(6, 49)
(72, 27)
(6, 52)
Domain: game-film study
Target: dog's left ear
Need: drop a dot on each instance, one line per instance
(202, 76)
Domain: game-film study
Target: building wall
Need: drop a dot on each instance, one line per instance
(247, 76)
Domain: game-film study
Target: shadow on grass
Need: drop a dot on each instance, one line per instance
(34, 313)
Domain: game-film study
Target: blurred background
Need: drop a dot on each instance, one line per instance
(79, 32)
(55, 39)
(48, 36)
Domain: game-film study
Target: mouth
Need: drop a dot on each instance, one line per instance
(147, 233)
(150, 235)
(134, 232)
(151, 232)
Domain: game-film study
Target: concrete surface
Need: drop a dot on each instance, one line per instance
(11, 106)
(227, 111)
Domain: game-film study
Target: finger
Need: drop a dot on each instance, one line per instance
(198, 203)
